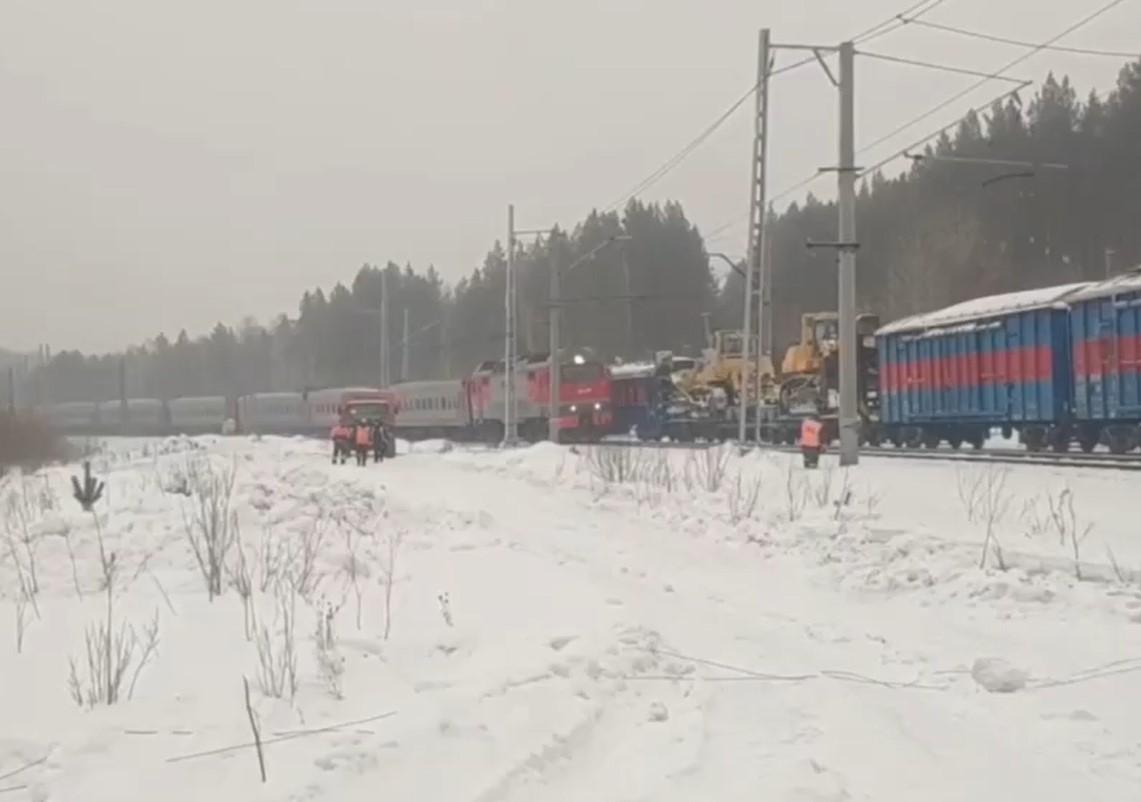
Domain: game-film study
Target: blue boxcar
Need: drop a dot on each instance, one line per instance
(634, 401)
(1106, 324)
(1000, 361)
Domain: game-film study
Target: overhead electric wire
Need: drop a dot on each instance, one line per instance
(1085, 51)
(916, 10)
(959, 95)
(940, 67)
(981, 107)
(989, 76)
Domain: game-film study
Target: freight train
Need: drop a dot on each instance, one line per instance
(1057, 365)
(471, 408)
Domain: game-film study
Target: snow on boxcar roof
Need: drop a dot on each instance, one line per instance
(631, 370)
(988, 307)
(1126, 282)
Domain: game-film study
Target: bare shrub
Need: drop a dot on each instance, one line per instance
(272, 560)
(1123, 576)
(743, 497)
(970, 487)
(991, 501)
(276, 646)
(21, 620)
(353, 569)
(843, 494)
(178, 479)
(796, 492)
(330, 663)
(393, 539)
(19, 514)
(1065, 520)
(28, 442)
(1033, 519)
(242, 580)
(304, 573)
(615, 464)
(707, 471)
(210, 523)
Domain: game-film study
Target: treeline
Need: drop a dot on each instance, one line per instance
(947, 231)
(942, 232)
(633, 296)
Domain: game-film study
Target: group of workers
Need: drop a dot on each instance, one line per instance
(359, 437)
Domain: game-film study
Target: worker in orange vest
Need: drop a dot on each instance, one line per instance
(342, 437)
(363, 441)
(811, 440)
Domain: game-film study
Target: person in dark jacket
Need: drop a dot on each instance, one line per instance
(379, 441)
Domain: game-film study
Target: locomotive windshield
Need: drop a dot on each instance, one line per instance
(589, 372)
(368, 410)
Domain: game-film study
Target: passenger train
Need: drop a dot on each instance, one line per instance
(471, 408)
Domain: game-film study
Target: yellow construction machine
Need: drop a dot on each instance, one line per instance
(809, 379)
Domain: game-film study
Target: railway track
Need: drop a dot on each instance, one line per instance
(1124, 462)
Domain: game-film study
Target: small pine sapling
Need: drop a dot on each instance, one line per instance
(90, 491)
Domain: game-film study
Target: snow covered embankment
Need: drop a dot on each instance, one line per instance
(550, 624)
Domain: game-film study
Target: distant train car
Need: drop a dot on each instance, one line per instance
(75, 417)
(1106, 330)
(327, 405)
(274, 413)
(431, 409)
(198, 415)
(634, 401)
(143, 417)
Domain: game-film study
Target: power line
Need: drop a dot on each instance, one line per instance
(1004, 40)
(990, 76)
(958, 95)
(940, 67)
(678, 158)
(891, 24)
(981, 107)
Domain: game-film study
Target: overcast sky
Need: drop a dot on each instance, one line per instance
(164, 165)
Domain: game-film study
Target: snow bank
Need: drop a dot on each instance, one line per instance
(554, 634)
(998, 676)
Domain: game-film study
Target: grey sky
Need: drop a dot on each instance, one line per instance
(167, 165)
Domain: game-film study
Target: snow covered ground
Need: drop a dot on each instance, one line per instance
(575, 624)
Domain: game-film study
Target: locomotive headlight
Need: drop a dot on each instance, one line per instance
(574, 407)
(597, 405)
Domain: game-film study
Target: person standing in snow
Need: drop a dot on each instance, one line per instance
(379, 441)
(363, 442)
(811, 440)
(342, 436)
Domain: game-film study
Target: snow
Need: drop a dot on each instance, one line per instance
(1125, 283)
(633, 370)
(991, 306)
(998, 676)
(558, 636)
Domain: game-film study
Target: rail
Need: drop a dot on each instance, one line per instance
(1124, 462)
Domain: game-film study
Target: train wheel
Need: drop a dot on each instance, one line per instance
(1121, 440)
(1060, 439)
(931, 439)
(913, 438)
(1034, 438)
(977, 439)
(955, 441)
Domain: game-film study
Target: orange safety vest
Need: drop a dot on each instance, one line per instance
(339, 432)
(364, 436)
(810, 433)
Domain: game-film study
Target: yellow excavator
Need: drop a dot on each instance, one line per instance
(809, 371)
(809, 377)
